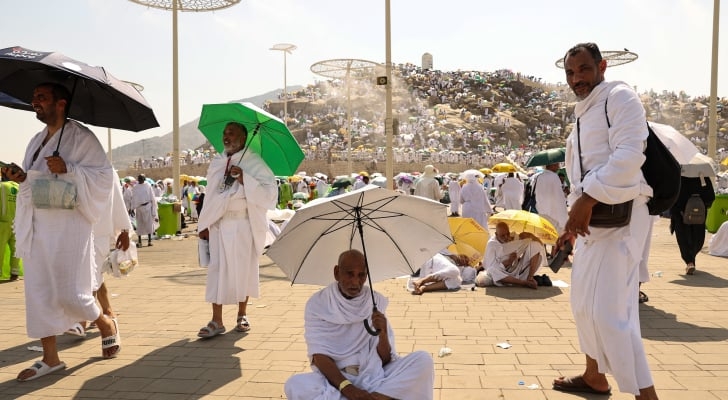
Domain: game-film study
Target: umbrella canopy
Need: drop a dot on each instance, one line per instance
(397, 234)
(524, 221)
(267, 135)
(486, 171)
(9, 101)
(504, 167)
(341, 182)
(97, 98)
(470, 238)
(693, 163)
(546, 157)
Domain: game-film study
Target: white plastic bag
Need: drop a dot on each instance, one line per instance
(203, 249)
(123, 262)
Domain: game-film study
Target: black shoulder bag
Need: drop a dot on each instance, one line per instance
(605, 215)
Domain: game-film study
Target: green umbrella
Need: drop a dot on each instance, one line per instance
(547, 157)
(267, 135)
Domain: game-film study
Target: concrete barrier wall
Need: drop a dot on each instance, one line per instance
(336, 168)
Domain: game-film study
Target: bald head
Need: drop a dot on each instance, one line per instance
(351, 272)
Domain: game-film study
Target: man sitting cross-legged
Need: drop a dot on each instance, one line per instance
(511, 262)
(347, 361)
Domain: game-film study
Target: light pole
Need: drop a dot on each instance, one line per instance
(285, 48)
(138, 88)
(388, 121)
(174, 6)
(713, 116)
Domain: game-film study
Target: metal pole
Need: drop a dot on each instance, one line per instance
(109, 144)
(389, 123)
(285, 92)
(348, 118)
(713, 117)
(175, 104)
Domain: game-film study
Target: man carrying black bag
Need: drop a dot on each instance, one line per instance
(687, 218)
(604, 163)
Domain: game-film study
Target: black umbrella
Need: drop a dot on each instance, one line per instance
(97, 98)
(7, 100)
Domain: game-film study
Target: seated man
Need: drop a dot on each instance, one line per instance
(505, 266)
(347, 361)
(438, 273)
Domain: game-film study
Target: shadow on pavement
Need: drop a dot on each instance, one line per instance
(701, 279)
(521, 293)
(657, 324)
(186, 369)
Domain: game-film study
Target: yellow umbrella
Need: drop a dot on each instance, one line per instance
(504, 167)
(295, 178)
(470, 238)
(486, 171)
(524, 221)
(725, 161)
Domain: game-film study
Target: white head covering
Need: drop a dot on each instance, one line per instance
(429, 171)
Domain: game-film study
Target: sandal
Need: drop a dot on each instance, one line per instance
(112, 341)
(242, 325)
(643, 297)
(212, 329)
(690, 269)
(41, 369)
(76, 330)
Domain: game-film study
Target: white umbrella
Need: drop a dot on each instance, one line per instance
(396, 233)
(694, 164)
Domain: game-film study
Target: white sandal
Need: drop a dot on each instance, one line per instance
(76, 330)
(111, 341)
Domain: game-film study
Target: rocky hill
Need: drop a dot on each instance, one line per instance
(502, 109)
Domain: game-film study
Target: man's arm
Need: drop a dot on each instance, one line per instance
(384, 348)
(328, 368)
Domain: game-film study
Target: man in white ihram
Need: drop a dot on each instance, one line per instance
(348, 362)
(144, 205)
(241, 189)
(550, 199)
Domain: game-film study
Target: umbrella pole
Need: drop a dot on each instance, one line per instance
(372, 331)
(65, 117)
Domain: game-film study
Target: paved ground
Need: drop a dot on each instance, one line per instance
(161, 308)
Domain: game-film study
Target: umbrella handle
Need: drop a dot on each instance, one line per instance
(372, 331)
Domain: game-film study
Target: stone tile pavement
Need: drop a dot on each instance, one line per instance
(161, 307)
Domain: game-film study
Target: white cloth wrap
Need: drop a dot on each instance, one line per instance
(113, 220)
(334, 327)
(237, 224)
(550, 199)
(57, 245)
(606, 266)
(144, 205)
(475, 203)
(443, 269)
(494, 254)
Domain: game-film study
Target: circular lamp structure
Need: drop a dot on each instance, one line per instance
(346, 69)
(613, 58)
(175, 6)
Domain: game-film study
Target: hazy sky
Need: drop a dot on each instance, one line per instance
(224, 55)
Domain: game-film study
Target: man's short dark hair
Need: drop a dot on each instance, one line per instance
(59, 91)
(141, 178)
(591, 47)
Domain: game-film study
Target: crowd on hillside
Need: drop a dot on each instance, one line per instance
(489, 103)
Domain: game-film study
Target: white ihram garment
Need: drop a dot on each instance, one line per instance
(605, 272)
(237, 224)
(334, 328)
(56, 245)
(453, 189)
(550, 199)
(113, 220)
(442, 268)
(144, 205)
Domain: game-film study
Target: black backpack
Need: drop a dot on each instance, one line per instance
(694, 213)
(661, 171)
